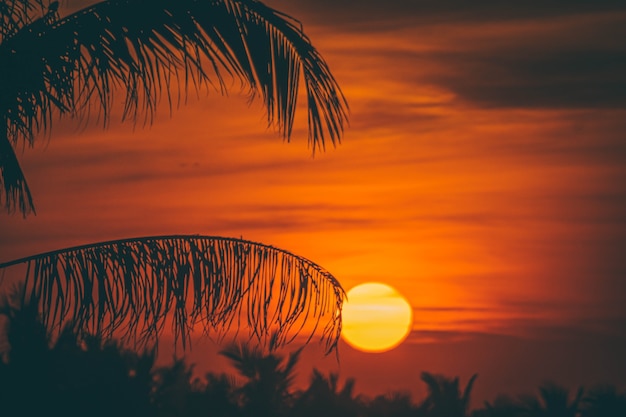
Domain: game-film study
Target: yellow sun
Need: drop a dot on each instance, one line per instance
(376, 317)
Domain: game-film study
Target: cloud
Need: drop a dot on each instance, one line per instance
(527, 78)
(448, 336)
(374, 14)
(533, 61)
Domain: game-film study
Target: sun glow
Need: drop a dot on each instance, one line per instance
(376, 318)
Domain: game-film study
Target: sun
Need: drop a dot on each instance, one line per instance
(376, 317)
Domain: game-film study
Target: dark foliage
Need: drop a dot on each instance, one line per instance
(73, 376)
(132, 287)
(133, 54)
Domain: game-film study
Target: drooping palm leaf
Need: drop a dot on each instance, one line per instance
(146, 51)
(132, 288)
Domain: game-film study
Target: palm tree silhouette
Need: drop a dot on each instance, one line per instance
(173, 389)
(130, 289)
(325, 397)
(444, 396)
(553, 401)
(268, 379)
(148, 52)
(397, 404)
(502, 406)
(218, 396)
(71, 376)
(177, 393)
(603, 400)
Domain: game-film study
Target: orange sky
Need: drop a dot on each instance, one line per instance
(483, 175)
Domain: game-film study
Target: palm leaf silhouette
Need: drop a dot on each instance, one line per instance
(132, 288)
(147, 51)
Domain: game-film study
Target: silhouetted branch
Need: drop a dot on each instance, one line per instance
(146, 50)
(134, 286)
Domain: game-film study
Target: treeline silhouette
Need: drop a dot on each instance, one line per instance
(72, 376)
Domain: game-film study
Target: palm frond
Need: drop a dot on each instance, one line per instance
(13, 184)
(150, 50)
(15, 14)
(131, 288)
(465, 399)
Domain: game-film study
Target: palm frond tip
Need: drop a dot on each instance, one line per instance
(147, 50)
(131, 288)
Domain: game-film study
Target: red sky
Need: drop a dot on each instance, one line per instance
(482, 175)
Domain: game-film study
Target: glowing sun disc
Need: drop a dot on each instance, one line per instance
(376, 317)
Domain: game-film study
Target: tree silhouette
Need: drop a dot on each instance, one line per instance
(603, 401)
(218, 396)
(268, 379)
(502, 406)
(173, 389)
(324, 397)
(444, 396)
(553, 401)
(147, 51)
(397, 404)
(131, 288)
(71, 376)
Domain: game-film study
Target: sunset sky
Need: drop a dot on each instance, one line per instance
(483, 175)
